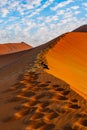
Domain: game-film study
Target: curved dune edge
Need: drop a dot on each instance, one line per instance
(67, 60)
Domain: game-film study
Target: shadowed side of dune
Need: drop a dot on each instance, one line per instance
(11, 57)
(12, 65)
(68, 60)
(81, 29)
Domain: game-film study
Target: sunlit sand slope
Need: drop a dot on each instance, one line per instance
(68, 60)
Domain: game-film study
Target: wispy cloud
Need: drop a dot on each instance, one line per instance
(84, 4)
(4, 12)
(75, 7)
(62, 4)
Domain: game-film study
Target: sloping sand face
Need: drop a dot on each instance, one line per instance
(68, 60)
(13, 47)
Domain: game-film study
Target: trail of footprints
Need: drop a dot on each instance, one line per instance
(37, 101)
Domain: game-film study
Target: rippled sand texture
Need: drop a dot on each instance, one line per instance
(68, 60)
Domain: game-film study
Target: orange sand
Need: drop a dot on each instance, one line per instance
(13, 47)
(68, 60)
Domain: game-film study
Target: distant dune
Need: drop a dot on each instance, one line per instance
(45, 88)
(13, 47)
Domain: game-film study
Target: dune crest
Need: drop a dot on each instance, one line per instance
(68, 60)
(81, 29)
(13, 47)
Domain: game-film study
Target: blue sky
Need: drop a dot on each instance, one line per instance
(38, 21)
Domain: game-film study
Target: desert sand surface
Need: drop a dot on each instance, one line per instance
(13, 47)
(67, 60)
(33, 98)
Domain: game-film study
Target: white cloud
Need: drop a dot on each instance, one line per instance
(84, 4)
(85, 15)
(49, 19)
(60, 5)
(49, 2)
(37, 11)
(77, 12)
(68, 14)
(4, 12)
(13, 4)
(75, 7)
(60, 12)
(34, 2)
(1, 21)
(31, 5)
(3, 2)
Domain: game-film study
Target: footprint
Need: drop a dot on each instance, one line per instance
(45, 104)
(31, 103)
(74, 100)
(35, 125)
(75, 106)
(40, 96)
(66, 92)
(48, 127)
(49, 95)
(54, 115)
(56, 86)
(67, 127)
(47, 110)
(35, 82)
(48, 82)
(62, 98)
(20, 85)
(59, 89)
(37, 115)
(84, 122)
(76, 127)
(50, 116)
(26, 112)
(43, 85)
(35, 89)
(28, 94)
(61, 110)
(78, 115)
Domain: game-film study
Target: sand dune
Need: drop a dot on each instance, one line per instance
(13, 47)
(68, 60)
(81, 29)
(33, 91)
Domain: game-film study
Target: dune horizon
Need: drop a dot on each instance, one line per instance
(8, 48)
